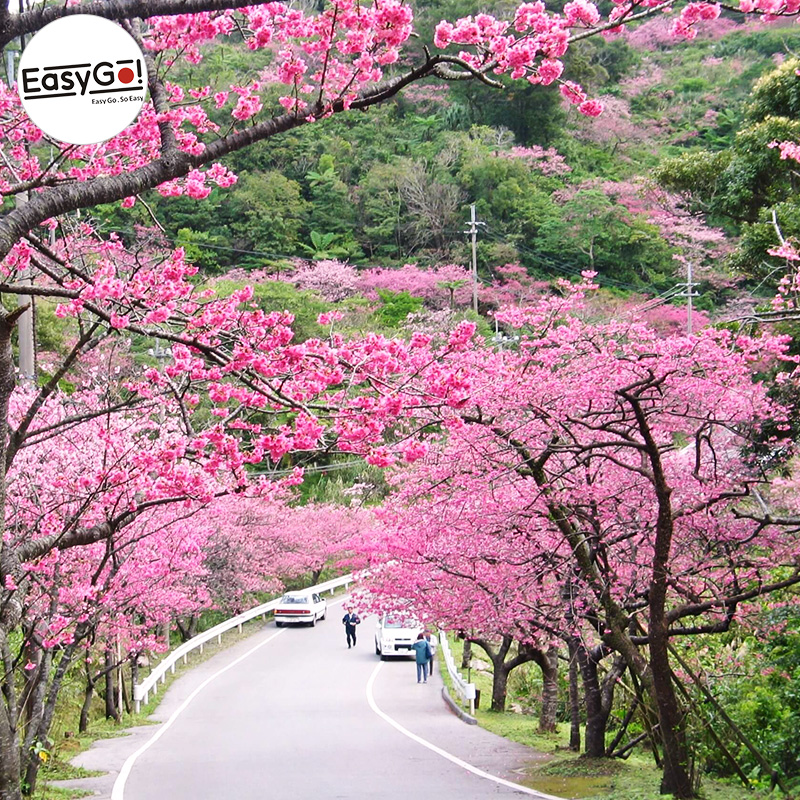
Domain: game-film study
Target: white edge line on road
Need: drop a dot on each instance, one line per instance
(443, 753)
(118, 792)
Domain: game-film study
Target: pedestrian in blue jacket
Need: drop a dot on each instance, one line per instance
(350, 620)
(423, 656)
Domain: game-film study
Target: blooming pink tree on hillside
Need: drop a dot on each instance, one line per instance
(442, 286)
(332, 279)
(545, 159)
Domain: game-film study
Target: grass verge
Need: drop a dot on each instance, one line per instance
(568, 775)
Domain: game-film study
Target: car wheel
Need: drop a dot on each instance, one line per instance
(314, 621)
(278, 624)
(377, 649)
(324, 614)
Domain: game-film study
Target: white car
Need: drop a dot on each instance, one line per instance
(300, 608)
(395, 635)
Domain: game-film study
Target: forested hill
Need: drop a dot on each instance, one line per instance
(557, 192)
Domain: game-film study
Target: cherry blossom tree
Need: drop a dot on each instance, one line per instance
(259, 546)
(442, 286)
(334, 280)
(608, 462)
(446, 560)
(87, 471)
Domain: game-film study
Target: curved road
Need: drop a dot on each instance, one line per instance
(292, 713)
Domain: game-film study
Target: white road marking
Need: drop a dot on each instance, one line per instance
(118, 792)
(443, 753)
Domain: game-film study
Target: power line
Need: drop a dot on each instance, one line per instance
(312, 469)
(177, 240)
(473, 232)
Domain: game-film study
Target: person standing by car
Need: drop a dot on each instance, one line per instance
(422, 652)
(350, 620)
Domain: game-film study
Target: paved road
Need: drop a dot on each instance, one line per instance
(302, 717)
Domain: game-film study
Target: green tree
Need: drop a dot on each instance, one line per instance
(267, 213)
(748, 184)
(396, 306)
(331, 208)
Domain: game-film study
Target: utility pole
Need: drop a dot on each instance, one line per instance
(688, 293)
(473, 231)
(27, 351)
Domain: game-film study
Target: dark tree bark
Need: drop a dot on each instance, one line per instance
(30, 760)
(677, 773)
(466, 654)
(112, 712)
(547, 660)
(502, 668)
(9, 747)
(598, 696)
(88, 693)
(574, 699)
(187, 627)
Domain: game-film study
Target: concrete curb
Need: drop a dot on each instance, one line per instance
(456, 708)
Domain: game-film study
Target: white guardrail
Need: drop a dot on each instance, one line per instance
(141, 691)
(466, 691)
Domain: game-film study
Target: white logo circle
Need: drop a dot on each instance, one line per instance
(82, 79)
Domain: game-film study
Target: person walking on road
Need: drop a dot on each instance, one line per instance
(350, 620)
(423, 656)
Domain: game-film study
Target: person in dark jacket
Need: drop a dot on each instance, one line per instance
(427, 635)
(350, 620)
(422, 651)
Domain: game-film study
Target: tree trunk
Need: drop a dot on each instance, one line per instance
(35, 723)
(549, 667)
(125, 700)
(595, 744)
(574, 700)
(45, 717)
(466, 655)
(500, 669)
(598, 698)
(88, 692)
(499, 686)
(30, 679)
(9, 759)
(9, 749)
(188, 628)
(677, 777)
(112, 712)
(11, 608)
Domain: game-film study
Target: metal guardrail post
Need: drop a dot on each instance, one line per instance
(466, 691)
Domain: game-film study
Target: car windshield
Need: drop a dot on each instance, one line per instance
(399, 622)
(293, 598)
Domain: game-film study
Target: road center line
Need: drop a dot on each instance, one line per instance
(443, 753)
